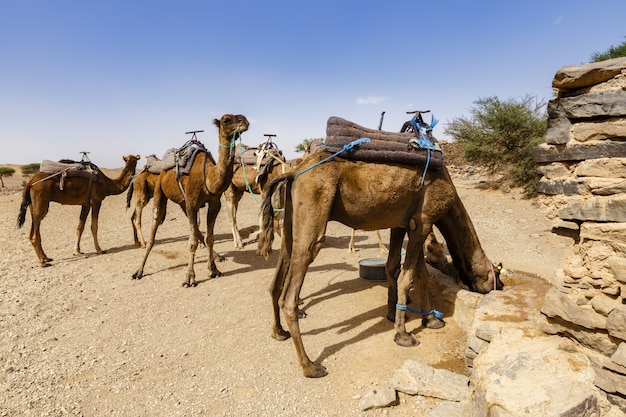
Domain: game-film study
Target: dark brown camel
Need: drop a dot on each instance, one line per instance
(70, 190)
(203, 186)
(369, 196)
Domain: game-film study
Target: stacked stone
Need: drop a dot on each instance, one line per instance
(583, 186)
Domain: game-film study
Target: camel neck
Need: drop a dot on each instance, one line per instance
(224, 165)
(121, 183)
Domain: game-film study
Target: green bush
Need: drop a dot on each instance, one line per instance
(503, 133)
(30, 169)
(613, 52)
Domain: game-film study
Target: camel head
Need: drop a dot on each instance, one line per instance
(478, 283)
(131, 159)
(231, 127)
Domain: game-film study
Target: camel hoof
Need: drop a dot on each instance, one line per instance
(315, 371)
(432, 322)
(406, 340)
(136, 275)
(189, 284)
(216, 274)
(281, 335)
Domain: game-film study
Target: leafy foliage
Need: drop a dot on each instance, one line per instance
(6, 172)
(304, 145)
(503, 133)
(613, 52)
(30, 169)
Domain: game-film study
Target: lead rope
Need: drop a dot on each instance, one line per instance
(345, 148)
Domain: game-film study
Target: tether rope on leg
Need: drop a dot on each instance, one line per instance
(438, 314)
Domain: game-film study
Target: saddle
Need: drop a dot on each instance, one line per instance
(180, 159)
(263, 158)
(69, 168)
(387, 147)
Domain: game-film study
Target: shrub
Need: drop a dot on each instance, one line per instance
(502, 133)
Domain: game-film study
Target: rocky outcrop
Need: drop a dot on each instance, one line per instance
(583, 186)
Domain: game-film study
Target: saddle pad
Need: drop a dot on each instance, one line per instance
(70, 170)
(387, 147)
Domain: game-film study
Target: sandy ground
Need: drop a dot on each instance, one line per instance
(82, 338)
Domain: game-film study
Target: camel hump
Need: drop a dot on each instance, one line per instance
(387, 147)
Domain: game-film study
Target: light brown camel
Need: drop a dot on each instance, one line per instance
(70, 190)
(244, 182)
(139, 194)
(203, 186)
(369, 196)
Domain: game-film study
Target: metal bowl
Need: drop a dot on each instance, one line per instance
(372, 269)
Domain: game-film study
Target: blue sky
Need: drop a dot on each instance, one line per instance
(120, 77)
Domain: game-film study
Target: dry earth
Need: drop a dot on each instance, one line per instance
(82, 338)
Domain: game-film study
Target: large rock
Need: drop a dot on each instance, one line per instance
(616, 324)
(586, 106)
(557, 376)
(602, 167)
(599, 130)
(575, 151)
(416, 378)
(559, 304)
(579, 76)
(597, 208)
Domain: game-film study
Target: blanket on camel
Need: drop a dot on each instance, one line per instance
(69, 168)
(387, 147)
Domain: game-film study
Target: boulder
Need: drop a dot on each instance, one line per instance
(579, 76)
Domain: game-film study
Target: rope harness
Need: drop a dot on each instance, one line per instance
(438, 314)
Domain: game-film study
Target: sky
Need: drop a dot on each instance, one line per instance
(121, 77)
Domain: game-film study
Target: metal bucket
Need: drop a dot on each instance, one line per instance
(372, 269)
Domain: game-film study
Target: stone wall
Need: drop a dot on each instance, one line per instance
(583, 189)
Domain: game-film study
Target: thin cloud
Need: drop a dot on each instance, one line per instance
(557, 20)
(370, 100)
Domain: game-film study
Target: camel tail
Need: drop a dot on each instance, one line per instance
(129, 194)
(26, 201)
(266, 236)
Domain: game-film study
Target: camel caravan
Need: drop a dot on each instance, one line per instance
(363, 178)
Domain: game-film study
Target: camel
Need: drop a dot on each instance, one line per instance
(204, 185)
(369, 196)
(70, 190)
(140, 193)
(244, 181)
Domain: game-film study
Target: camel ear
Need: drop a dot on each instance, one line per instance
(138, 156)
(216, 122)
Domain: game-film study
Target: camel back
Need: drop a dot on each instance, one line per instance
(388, 147)
(70, 169)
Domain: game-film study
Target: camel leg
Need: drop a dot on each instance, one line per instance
(276, 289)
(392, 270)
(158, 215)
(211, 215)
(84, 211)
(95, 212)
(37, 213)
(303, 254)
(194, 233)
(351, 244)
(233, 197)
(421, 289)
(135, 219)
(381, 244)
(405, 281)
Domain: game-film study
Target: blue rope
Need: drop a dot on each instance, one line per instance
(438, 314)
(345, 148)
